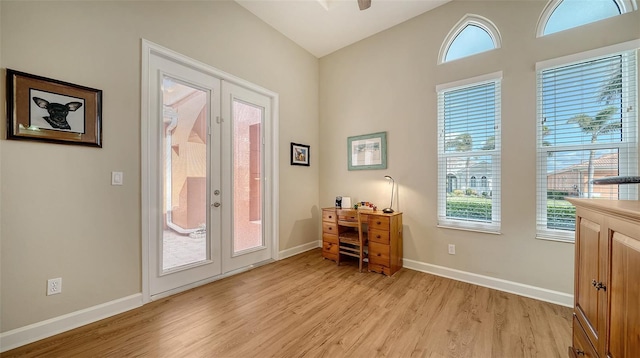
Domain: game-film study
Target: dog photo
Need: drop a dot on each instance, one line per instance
(56, 112)
(49, 110)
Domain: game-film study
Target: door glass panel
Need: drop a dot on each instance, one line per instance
(247, 176)
(184, 171)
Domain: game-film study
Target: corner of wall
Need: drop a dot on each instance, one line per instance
(2, 120)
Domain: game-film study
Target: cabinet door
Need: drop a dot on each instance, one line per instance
(624, 287)
(591, 253)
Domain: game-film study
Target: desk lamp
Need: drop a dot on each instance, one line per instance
(393, 185)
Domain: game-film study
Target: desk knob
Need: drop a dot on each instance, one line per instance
(378, 223)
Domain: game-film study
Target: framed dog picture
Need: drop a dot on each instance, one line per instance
(299, 154)
(45, 109)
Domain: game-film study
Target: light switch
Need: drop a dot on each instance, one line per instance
(116, 178)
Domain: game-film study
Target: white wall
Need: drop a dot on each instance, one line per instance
(65, 219)
(61, 218)
(387, 83)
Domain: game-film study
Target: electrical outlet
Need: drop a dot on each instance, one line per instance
(452, 249)
(54, 286)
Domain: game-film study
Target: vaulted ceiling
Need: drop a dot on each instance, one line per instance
(324, 26)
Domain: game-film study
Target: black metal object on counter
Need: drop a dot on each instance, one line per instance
(617, 180)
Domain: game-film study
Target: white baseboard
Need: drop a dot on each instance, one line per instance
(299, 249)
(37, 331)
(542, 294)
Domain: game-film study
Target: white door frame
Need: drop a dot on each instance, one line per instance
(271, 196)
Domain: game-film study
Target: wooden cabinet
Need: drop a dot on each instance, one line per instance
(385, 243)
(385, 239)
(607, 276)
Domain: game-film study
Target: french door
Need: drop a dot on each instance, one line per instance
(206, 185)
(243, 228)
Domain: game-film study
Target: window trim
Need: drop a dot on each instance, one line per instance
(587, 55)
(541, 158)
(469, 19)
(625, 6)
(493, 227)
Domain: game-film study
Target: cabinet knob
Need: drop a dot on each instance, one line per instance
(579, 352)
(598, 285)
(378, 223)
(377, 236)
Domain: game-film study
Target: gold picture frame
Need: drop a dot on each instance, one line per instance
(44, 109)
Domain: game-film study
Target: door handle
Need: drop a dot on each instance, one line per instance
(216, 204)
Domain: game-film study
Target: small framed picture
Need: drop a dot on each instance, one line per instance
(299, 154)
(45, 109)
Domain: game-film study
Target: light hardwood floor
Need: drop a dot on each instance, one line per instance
(305, 306)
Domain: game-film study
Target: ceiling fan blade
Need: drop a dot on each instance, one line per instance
(364, 4)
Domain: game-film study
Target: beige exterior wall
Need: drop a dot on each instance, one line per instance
(65, 219)
(387, 83)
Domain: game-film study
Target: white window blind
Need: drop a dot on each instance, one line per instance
(587, 129)
(469, 155)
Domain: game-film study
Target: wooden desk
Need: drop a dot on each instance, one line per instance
(385, 239)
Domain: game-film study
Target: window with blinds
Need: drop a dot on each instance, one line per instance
(587, 129)
(469, 154)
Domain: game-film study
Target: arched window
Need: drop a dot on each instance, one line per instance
(560, 15)
(483, 181)
(473, 182)
(471, 35)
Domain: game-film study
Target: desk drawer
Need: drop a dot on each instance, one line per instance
(379, 269)
(378, 254)
(329, 215)
(329, 228)
(330, 256)
(379, 236)
(379, 222)
(349, 217)
(330, 247)
(330, 238)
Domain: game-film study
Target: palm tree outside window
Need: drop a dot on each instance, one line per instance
(587, 129)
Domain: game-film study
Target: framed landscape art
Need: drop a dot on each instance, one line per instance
(367, 151)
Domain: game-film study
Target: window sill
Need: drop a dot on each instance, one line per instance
(486, 231)
(546, 238)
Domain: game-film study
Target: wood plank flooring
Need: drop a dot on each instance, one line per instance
(305, 306)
